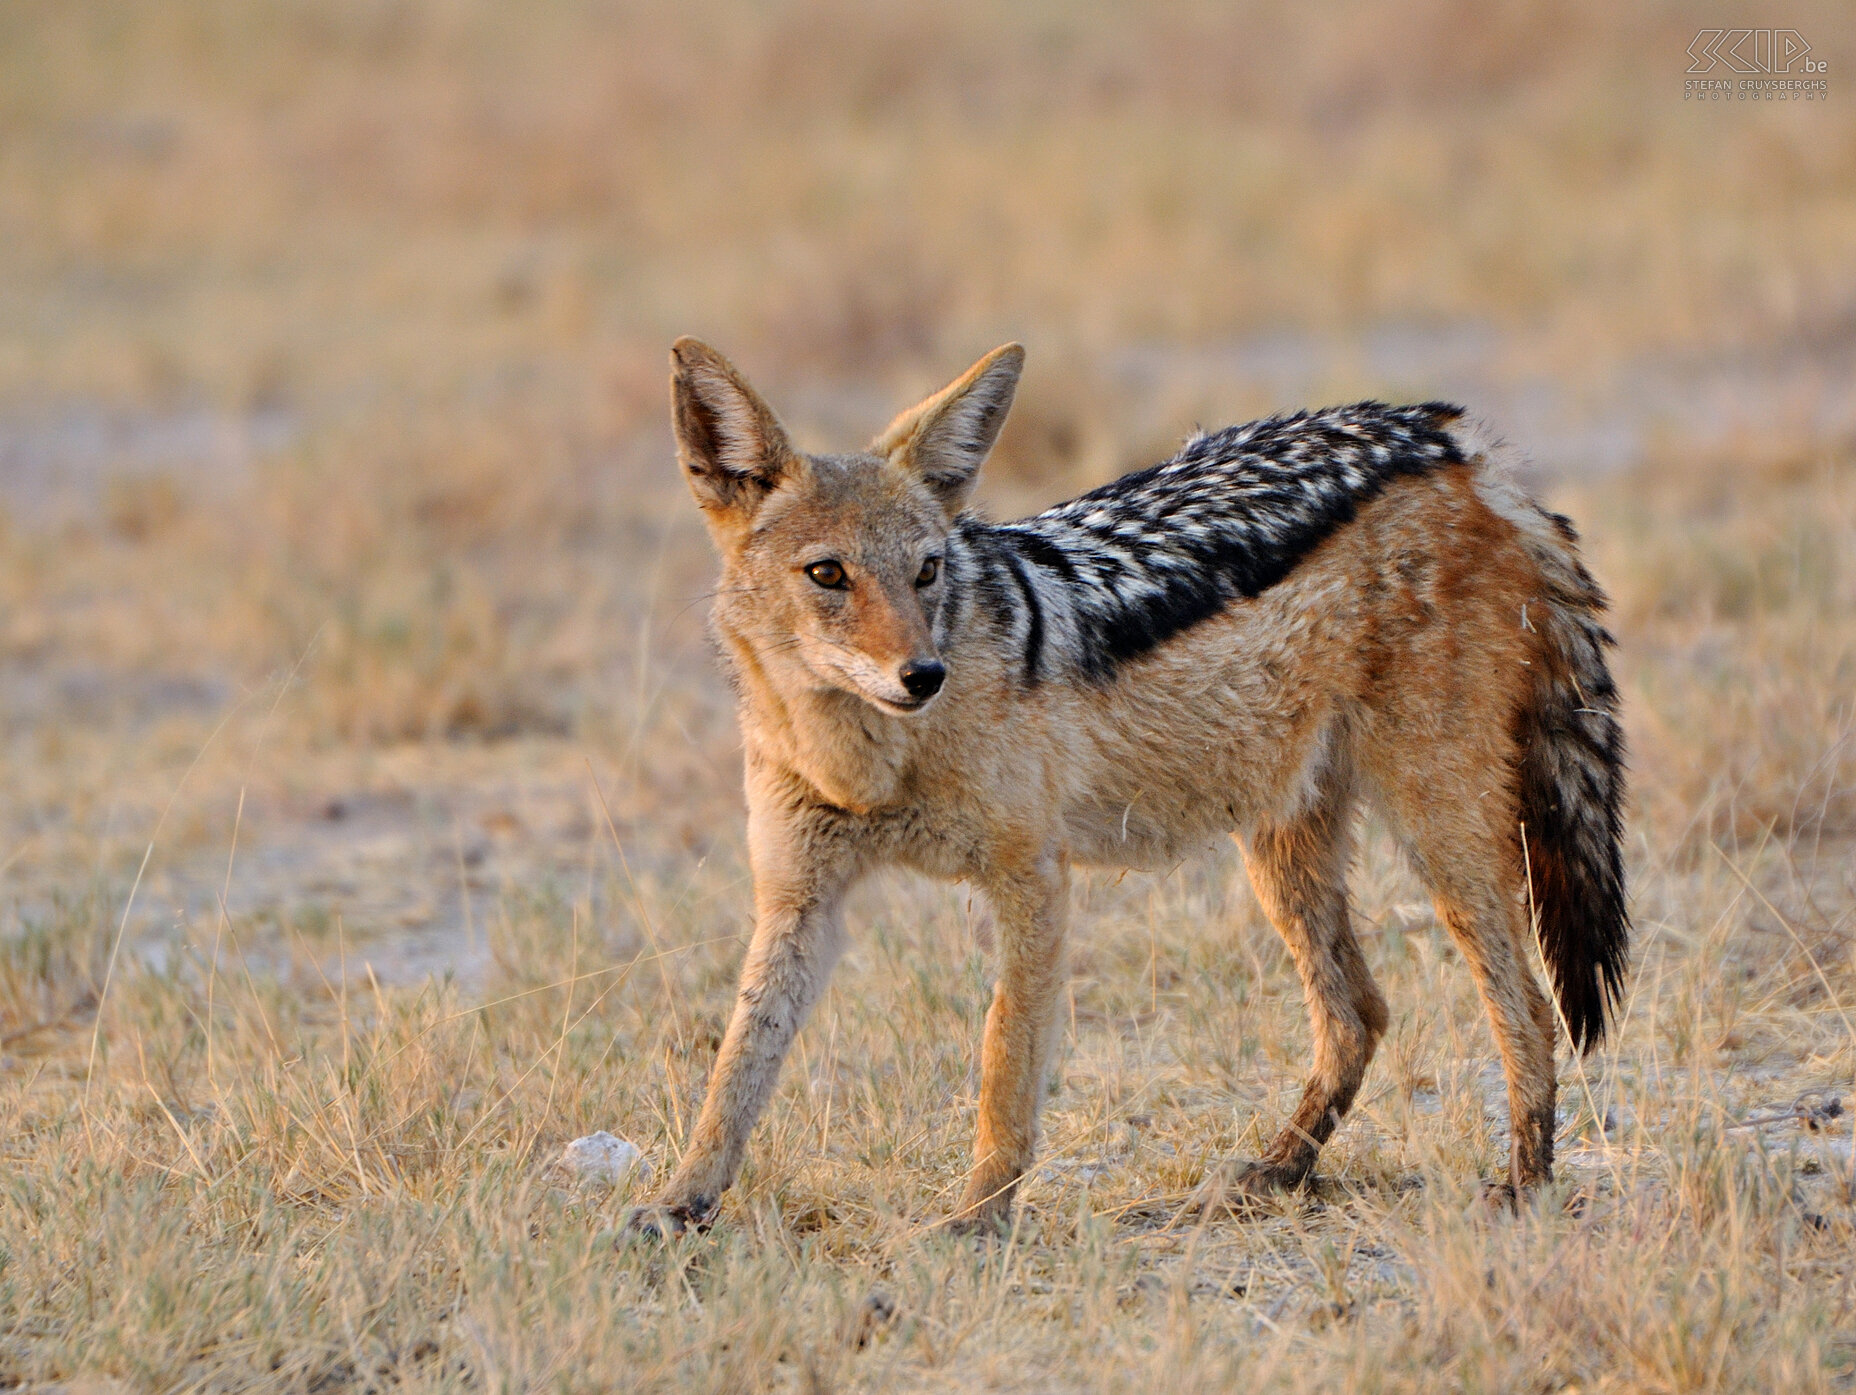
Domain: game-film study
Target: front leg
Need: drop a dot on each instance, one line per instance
(802, 867)
(1031, 901)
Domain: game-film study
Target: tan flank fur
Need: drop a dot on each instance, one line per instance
(1389, 619)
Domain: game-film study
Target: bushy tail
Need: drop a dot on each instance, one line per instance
(1570, 764)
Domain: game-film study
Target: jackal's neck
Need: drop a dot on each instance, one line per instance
(853, 756)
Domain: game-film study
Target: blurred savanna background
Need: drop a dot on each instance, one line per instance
(369, 807)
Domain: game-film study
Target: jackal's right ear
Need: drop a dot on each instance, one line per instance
(947, 437)
(733, 450)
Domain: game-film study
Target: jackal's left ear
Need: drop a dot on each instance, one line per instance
(945, 438)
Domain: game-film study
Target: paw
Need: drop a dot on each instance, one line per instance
(660, 1223)
(987, 1214)
(1510, 1198)
(1265, 1178)
(1240, 1190)
(988, 1223)
(1500, 1198)
(986, 1207)
(649, 1224)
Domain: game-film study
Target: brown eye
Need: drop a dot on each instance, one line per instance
(930, 570)
(830, 575)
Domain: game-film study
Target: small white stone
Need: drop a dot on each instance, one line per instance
(601, 1157)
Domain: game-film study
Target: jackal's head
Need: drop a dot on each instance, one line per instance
(836, 563)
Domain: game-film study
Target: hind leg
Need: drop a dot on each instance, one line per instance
(1299, 868)
(1487, 924)
(1455, 834)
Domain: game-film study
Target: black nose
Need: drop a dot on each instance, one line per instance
(923, 680)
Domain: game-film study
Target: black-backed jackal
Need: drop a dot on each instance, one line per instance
(1284, 618)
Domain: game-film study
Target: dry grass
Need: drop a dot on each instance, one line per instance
(294, 1175)
(369, 815)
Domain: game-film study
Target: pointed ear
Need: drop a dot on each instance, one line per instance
(733, 450)
(945, 438)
